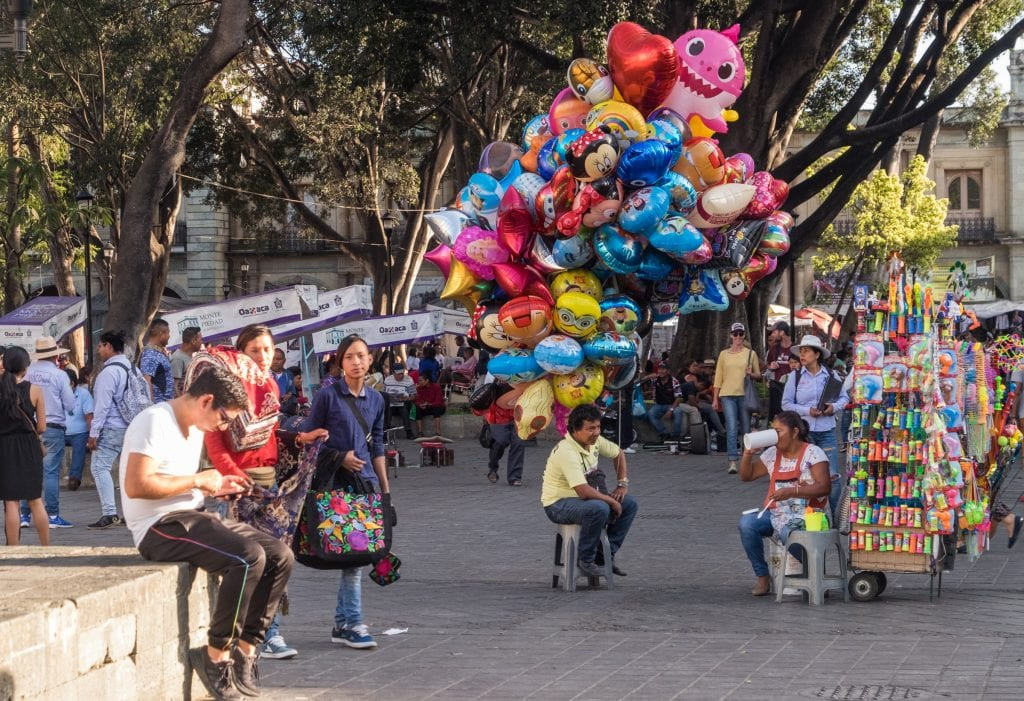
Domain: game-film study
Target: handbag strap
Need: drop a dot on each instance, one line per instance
(350, 400)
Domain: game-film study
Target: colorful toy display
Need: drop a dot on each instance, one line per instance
(617, 189)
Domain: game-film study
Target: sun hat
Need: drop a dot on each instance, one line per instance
(46, 347)
(815, 343)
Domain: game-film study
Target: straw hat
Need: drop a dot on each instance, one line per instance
(815, 343)
(46, 347)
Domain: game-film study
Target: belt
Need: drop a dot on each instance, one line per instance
(62, 427)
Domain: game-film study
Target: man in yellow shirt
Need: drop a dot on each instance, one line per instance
(568, 498)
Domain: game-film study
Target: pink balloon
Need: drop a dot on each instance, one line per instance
(479, 249)
(561, 414)
(514, 278)
(441, 257)
(514, 223)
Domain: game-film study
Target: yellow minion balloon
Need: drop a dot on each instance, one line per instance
(581, 386)
(576, 314)
(576, 280)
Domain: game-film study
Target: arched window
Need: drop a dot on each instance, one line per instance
(963, 188)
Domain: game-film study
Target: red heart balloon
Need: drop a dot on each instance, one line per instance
(769, 195)
(515, 278)
(514, 223)
(644, 66)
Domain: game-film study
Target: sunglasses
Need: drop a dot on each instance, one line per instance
(739, 333)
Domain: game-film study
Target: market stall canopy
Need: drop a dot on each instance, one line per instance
(222, 320)
(332, 308)
(383, 330)
(988, 310)
(819, 320)
(42, 316)
(456, 321)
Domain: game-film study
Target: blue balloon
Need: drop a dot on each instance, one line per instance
(609, 348)
(619, 313)
(558, 354)
(655, 265)
(642, 210)
(675, 236)
(668, 134)
(573, 252)
(616, 377)
(546, 161)
(681, 190)
(513, 174)
(620, 253)
(644, 163)
(515, 365)
(564, 141)
(537, 125)
(703, 291)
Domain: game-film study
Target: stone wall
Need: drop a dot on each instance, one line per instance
(98, 623)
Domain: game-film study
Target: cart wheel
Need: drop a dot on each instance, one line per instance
(864, 586)
(882, 581)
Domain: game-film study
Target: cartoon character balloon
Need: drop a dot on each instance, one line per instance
(619, 313)
(711, 74)
(590, 81)
(485, 328)
(576, 314)
(479, 249)
(581, 386)
(533, 409)
(515, 365)
(558, 354)
(593, 155)
(526, 319)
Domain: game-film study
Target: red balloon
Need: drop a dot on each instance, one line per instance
(644, 66)
(514, 278)
(769, 196)
(441, 257)
(700, 256)
(514, 223)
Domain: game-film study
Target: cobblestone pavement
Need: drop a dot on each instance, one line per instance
(484, 622)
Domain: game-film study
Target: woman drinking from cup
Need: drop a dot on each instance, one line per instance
(798, 473)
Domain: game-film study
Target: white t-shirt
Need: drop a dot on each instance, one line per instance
(784, 512)
(156, 434)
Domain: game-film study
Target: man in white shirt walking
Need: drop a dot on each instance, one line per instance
(400, 391)
(59, 400)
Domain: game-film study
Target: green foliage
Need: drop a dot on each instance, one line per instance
(891, 213)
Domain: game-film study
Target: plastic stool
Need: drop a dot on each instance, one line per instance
(566, 551)
(815, 582)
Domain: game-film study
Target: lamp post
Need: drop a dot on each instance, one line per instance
(388, 223)
(244, 267)
(108, 257)
(226, 289)
(84, 201)
(17, 41)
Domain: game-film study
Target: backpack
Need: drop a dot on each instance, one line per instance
(135, 398)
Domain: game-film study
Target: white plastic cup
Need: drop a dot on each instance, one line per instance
(760, 439)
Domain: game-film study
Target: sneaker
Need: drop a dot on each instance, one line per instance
(217, 677)
(58, 522)
(277, 649)
(515, 483)
(732, 467)
(357, 637)
(247, 673)
(629, 451)
(73, 484)
(590, 569)
(25, 522)
(105, 522)
(492, 476)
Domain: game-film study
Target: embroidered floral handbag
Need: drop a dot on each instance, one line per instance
(341, 528)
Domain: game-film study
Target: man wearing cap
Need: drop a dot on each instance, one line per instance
(59, 401)
(400, 391)
(776, 363)
(808, 394)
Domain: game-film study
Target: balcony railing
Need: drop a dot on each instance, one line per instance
(284, 242)
(973, 229)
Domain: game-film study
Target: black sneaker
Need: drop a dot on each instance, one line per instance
(106, 522)
(590, 569)
(217, 677)
(247, 673)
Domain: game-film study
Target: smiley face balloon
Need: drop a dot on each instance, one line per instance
(525, 319)
(576, 280)
(576, 314)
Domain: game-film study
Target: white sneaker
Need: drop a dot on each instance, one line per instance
(732, 467)
(629, 451)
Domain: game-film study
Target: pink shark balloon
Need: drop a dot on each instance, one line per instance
(711, 74)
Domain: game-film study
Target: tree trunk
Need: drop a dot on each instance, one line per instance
(14, 272)
(842, 295)
(140, 270)
(929, 136)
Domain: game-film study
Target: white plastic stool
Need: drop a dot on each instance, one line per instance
(567, 550)
(815, 581)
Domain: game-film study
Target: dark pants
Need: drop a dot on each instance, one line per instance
(592, 515)
(505, 436)
(774, 399)
(402, 408)
(254, 569)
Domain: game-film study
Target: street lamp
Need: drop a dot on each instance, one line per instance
(244, 267)
(388, 223)
(17, 41)
(226, 289)
(84, 202)
(108, 257)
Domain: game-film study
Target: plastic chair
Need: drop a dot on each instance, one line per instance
(566, 551)
(814, 580)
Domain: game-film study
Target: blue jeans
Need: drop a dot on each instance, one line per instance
(108, 447)
(53, 440)
(735, 411)
(826, 440)
(752, 531)
(77, 442)
(592, 515)
(275, 626)
(655, 413)
(349, 612)
(844, 433)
